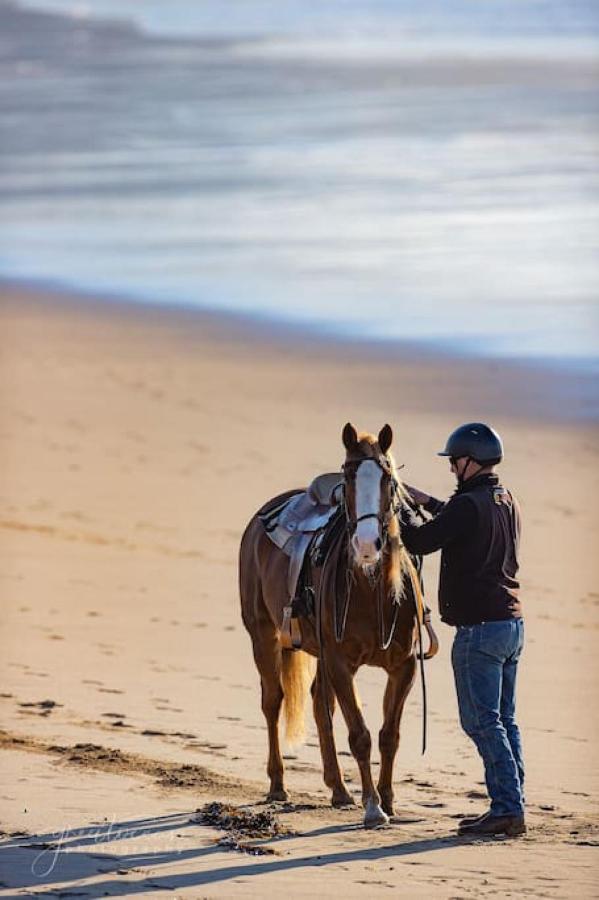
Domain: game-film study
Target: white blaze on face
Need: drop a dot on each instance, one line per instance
(366, 541)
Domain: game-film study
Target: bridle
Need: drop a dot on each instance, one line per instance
(349, 468)
(375, 574)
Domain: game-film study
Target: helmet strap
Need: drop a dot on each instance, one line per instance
(461, 479)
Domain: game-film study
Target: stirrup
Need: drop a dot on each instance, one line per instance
(291, 635)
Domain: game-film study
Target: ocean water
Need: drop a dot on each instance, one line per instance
(384, 169)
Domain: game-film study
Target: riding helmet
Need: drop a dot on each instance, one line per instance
(478, 441)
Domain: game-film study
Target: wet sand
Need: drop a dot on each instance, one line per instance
(135, 443)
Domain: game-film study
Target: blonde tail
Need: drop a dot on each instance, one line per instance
(296, 677)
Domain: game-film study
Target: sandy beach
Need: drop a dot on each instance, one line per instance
(135, 443)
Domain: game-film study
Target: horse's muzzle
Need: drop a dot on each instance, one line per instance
(367, 553)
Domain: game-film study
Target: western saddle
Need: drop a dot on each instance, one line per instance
(298, 526)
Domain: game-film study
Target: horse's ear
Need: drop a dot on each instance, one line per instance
(349, 436)
(385, 438)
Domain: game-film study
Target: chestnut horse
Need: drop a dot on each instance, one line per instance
(364, 600)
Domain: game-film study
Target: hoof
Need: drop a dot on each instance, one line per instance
(342, 798)
(278, 796)
(375, 817)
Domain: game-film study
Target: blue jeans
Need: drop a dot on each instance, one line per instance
(485, 662)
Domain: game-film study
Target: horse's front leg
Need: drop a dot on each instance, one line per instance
(359, 740)
(398, 687)
(324, 722)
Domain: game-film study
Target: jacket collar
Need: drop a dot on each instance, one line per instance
(490, 479)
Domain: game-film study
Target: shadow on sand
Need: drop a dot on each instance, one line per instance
(49, 859)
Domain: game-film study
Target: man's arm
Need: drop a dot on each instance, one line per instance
(457, 517)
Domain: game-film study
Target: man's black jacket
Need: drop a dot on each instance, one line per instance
(478, 532)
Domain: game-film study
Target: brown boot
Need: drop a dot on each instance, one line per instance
(510, 825)
(473, 820)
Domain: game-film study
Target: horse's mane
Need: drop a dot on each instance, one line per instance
(394, 470)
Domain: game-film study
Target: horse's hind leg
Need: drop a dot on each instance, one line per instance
(398, 687)
(267, 654)
(332, 774)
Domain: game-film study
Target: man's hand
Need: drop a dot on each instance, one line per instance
(419, 497)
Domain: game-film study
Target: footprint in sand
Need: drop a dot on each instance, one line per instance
(203, 745)
(40, 505)
(196, 445)
(135, 437)
(76, 425)
(75, 515)
(407, 820)
(44, 707)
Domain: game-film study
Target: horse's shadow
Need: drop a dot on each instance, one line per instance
(46, 859)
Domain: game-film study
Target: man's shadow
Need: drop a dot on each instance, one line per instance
(44, 859)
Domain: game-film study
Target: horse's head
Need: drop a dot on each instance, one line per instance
(371, 487)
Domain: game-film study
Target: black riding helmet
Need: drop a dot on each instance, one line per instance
(478, 441)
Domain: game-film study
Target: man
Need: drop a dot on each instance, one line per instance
(478, 532)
